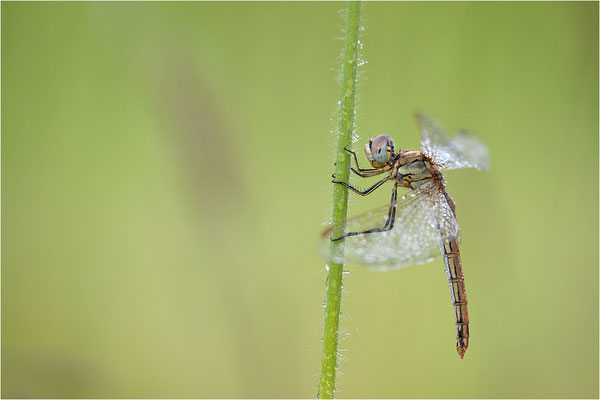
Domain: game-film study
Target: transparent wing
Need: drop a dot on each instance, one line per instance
(423, 220)
(464, 150)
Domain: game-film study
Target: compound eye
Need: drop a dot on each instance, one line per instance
(382, 149)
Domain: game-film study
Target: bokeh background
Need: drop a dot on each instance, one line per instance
(165, 177)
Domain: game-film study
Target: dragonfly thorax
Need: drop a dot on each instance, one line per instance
(414, 169)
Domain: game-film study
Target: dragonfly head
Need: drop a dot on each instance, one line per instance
(379, 150)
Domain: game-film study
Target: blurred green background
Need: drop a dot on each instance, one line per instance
(165, 176)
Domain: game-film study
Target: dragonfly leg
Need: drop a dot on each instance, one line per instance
(370, 172)
(363, 192)
(355, 159)
(364, 172)
(389, 224)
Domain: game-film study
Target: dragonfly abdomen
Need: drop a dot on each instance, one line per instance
(459, 294)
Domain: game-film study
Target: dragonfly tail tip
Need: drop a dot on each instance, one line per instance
(461, 350)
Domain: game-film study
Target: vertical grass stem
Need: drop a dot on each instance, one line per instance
(340, 202)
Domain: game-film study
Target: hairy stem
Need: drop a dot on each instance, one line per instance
(340, 203)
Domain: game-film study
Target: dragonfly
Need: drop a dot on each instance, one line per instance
(421, 225)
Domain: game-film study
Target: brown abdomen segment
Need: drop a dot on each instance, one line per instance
(459, 294)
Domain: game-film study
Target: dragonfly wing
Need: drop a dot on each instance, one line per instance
(473, 152)
(423, 219)
(464, 150)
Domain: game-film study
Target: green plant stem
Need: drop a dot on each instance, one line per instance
(340, 203)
